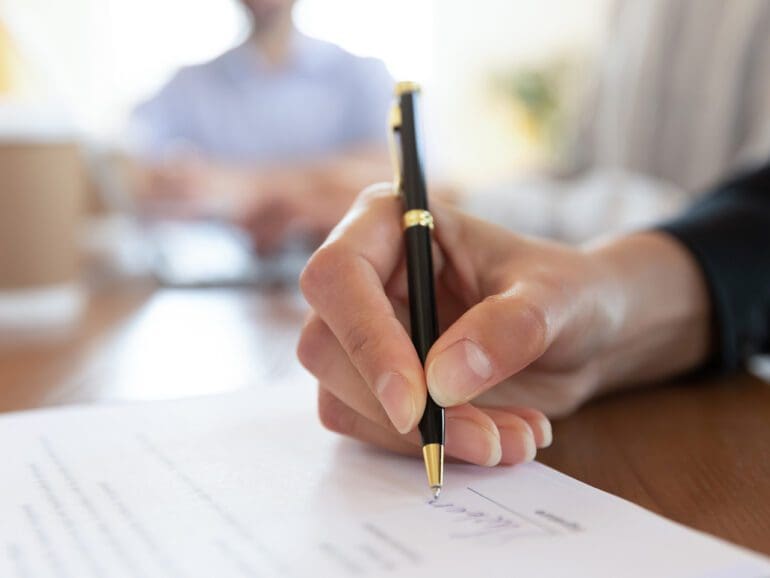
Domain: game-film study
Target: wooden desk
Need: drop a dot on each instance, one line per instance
(697, 453)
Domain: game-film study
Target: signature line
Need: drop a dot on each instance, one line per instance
(514, 512)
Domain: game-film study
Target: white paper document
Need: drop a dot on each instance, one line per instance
(249, 485)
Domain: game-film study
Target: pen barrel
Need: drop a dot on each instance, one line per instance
(415, 190)
(423, 318)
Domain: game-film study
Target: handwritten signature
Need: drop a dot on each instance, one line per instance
(479, 524)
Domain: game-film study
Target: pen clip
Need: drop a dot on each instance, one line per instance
(394, 121)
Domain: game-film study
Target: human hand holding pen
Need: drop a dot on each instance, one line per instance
(525, 323)
(372, 384)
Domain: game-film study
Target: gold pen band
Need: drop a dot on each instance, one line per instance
(418, 218)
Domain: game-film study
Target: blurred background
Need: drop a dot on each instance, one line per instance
(95, 60)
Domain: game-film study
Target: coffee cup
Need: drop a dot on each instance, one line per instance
(42, 189)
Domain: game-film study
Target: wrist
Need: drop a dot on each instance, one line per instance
(657, 299)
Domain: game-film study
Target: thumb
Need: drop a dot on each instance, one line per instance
(492, 341)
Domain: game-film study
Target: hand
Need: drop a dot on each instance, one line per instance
(193, 187)
(309, 200)
(291, 203)
(525, 323)
(271, 203)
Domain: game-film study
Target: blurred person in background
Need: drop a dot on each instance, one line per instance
(681, 100)
(279, 132)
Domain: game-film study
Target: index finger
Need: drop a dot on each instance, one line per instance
(344, 282)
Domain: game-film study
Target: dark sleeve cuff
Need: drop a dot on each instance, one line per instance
(728, 233)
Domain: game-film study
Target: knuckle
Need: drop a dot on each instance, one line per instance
(360, 340)
(532, 321)
(333, 414)
(380, 203)
(320, 272)
(327, 410)
(310, 343)
(377, 190)
(522, 317)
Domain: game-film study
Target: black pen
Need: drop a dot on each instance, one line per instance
(418, 225)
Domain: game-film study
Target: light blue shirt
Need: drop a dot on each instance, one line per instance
(236, 108)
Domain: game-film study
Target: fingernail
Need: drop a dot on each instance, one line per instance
(546, 433)
(518, 445)
(395, 395)
(458, 373)
(472, 443)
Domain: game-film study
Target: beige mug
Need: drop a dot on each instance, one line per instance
(42, 190)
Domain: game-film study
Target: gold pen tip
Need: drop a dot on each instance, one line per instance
(436, 492)
(434, 465)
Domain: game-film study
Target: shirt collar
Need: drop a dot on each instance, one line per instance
(245, 59)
